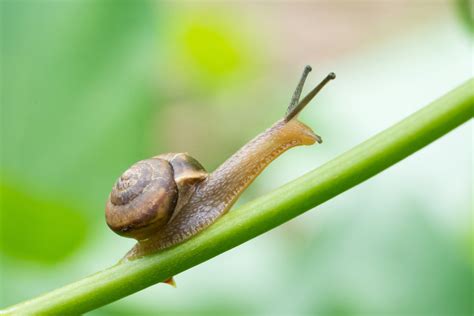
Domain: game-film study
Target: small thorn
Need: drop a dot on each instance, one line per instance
(171, 282)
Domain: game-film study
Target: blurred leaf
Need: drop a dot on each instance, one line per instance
(36, 228)
(75, 107)
(380, 262)
(77, 96)
(211, 307)
(211, 49)
(465, 10)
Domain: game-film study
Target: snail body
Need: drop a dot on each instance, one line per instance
(167, 199)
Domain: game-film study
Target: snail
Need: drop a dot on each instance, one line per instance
(169, 198)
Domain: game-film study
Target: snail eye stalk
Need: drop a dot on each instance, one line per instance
(296, 95)
(296, 107)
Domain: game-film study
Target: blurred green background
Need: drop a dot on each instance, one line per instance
(90, 87)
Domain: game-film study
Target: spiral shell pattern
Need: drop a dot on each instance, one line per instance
(143, 199)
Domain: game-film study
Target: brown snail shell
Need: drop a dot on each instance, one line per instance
(150, 192)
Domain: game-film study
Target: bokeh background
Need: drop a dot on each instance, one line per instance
(90, 87)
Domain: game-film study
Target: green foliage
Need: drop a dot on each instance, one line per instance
(465, 10)
(271, 210)
(360, 274)
(28, 226)
(73, 88)
(211, 49)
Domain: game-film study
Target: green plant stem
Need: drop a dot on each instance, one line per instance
(264, 213)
